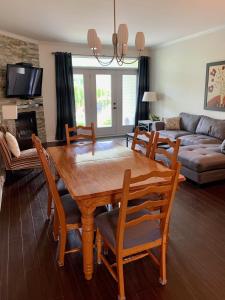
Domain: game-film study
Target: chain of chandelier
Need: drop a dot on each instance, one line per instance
(119, 41)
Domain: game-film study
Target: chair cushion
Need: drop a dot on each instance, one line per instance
(194, 139)
(189, 122)
(12, 144)
(61, 187)
(173, 134)
(142, 233)
(202, 158)
(28, 160)
(72, 212)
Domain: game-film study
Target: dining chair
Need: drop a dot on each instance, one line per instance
(131, 232)
(80, 136)
(67, 215)
(165, 151)
(61, 188)
(143, 139)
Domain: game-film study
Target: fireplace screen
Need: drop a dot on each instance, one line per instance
(26, 124)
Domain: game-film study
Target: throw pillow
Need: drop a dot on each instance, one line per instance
(223, 147)
(12, 144)
(172, 123)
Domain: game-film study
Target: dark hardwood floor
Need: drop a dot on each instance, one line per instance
(28, 269)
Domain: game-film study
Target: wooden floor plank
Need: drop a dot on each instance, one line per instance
(4, 238)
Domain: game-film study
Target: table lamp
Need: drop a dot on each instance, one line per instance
(150, 97)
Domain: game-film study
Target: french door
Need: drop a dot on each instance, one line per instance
(107, 98)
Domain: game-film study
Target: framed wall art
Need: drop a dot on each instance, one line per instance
(215, 86)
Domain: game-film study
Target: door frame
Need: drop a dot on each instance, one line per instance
(89, 74)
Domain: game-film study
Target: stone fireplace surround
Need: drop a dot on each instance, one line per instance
(35, 105)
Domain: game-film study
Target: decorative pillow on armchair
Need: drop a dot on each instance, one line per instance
(12, 144)
(172, 123)
(223, 147)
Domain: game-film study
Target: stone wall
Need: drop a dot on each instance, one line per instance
(13, 51)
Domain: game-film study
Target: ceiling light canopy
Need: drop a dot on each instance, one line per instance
(119, 41)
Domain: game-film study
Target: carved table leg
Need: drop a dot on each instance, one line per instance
(87, 241)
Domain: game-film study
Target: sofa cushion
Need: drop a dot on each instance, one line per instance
(212, 127)
(202, 158)
(172, 123)
(189, 122)
(194, 139)
(173, 134)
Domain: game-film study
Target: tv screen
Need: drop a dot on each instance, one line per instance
(23, 81)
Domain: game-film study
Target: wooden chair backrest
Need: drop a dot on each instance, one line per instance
(147, 144)
(80, 136)
(169, 158)
(161, 206)
(50, 180)
(5, 152)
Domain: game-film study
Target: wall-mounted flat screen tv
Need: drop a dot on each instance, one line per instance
(23, 81)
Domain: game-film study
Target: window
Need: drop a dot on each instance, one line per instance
(78, 80)
(128, 99)
(103, 98)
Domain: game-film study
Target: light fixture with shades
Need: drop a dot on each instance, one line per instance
(119, 41)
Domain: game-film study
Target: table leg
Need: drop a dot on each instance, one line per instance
(127, 140)
(87, 241)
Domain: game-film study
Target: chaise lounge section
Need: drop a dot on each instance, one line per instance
(200, 153)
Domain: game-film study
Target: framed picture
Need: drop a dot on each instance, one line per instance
(215, 86)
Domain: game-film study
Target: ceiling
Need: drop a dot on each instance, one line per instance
(68, 20)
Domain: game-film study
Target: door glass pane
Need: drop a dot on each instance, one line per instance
(129, 99)
(103, 99)
(78, 80)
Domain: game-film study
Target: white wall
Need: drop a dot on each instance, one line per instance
(49, 90)
(178, 74)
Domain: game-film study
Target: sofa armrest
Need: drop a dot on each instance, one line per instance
(158, 125)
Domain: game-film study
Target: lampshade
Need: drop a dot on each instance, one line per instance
(140, 41)
(9, 112)
(123, 34)
(92, 38)
(149, 97)
(122, 50)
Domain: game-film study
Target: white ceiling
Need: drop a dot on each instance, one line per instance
(69, 20)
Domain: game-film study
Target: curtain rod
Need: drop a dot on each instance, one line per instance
(84, 55)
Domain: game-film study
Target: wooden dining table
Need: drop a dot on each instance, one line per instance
(93, 175)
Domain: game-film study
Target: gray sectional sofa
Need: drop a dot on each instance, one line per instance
(200, 151)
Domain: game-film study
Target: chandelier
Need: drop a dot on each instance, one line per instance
(119, 41)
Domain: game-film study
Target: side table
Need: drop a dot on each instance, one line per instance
(145, 124)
